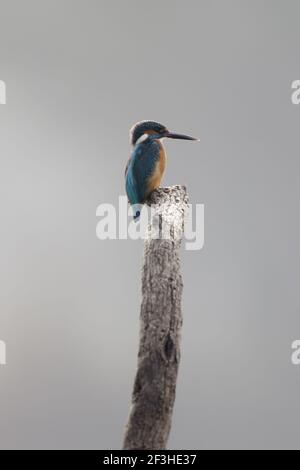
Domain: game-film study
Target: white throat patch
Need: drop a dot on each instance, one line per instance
(142, 138)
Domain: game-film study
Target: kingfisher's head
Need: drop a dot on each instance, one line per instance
(143, 130)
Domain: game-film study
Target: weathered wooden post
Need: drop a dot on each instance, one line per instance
(154, 390)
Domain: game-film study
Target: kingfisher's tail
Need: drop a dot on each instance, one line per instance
(136, 210)
(136, 216)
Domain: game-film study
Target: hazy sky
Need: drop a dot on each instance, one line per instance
(78, 75)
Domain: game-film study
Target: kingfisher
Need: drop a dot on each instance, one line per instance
(147, 163)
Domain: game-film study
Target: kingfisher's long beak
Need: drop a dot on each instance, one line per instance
(172, 135)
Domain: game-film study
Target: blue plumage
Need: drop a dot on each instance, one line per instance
(140, 169)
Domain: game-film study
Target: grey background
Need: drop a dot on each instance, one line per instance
(78, 75)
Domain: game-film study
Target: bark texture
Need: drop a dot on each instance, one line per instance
(153, 396)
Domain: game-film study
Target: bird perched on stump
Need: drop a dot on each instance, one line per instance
(146, 166)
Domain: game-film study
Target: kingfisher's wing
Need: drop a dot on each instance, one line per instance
(131, 185)
(143, 164)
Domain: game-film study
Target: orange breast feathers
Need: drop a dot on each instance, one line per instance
(158, 173)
